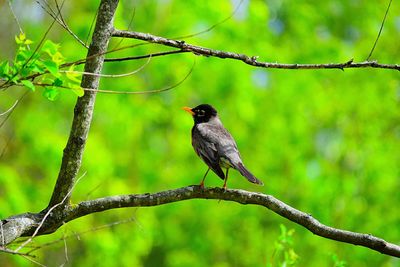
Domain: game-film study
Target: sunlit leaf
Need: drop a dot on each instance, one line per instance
(51, 66)
(4, 69)
(78, 90)
(28, 84)
(50, 48)
(51, 93)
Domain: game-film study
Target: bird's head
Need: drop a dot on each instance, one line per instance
(202, 113)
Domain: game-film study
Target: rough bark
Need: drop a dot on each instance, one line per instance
(25, 224)
(83, 112)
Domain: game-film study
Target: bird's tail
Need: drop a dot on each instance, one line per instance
(242, 169)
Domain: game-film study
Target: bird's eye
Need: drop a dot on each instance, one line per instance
(201, 113)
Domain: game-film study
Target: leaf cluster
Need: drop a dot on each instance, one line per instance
(40, 67)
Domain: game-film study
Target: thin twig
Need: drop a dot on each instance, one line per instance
(9, 113)
(155, 91)
(60, 20)
(213, 26)
(77, 235)
(380, 30)
(10, 251)
(48, 214)
(143, 56)
(33, 261)
(91, 28)
(109, 75)
(15, 17)
(129, 26)
(10, 109)
(65, 251)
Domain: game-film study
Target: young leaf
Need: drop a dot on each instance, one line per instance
(50, 48)
(28, 42)
(4, 69)
(51, 93)
(28, 84)
(51, 66)
(77, 90)
(58, 82)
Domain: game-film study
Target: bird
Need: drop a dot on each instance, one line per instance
(215, 145)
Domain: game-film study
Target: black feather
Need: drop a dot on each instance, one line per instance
(207, 151)
(248, 174)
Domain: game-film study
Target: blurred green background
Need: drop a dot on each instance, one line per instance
(326, 142)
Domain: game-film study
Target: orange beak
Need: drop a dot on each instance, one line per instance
(188, 110)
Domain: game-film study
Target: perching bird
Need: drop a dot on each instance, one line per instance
(215, 145)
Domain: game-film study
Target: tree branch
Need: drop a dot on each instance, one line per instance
(73, 151)
(250, 60)
(30, 221)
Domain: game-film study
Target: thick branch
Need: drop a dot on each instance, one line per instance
(240, 196)
(250, 60)
(73, 151)
(30, 221)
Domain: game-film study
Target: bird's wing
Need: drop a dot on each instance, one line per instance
(206, 150)
(224, 147)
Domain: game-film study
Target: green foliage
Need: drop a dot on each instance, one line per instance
(324, 141)
(44, 63)
(284, 254)
(337, 262)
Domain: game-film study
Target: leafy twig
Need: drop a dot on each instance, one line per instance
(154, 91)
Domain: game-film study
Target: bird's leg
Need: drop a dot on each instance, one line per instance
(226, 178)
(202, 181)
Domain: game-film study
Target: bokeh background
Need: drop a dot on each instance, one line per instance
(326, 142)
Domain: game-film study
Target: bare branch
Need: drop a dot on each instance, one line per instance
(240, 196)
(8, 113)
(15, 17)
(91, 27)
(143, 56)
(250, 60)
(196, 192)
(108, 75)
(60, 20)
(10, 109)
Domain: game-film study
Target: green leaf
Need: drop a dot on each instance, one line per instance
(28, 84)
(19, 39)
(58, 82)
(58, 58)
(51, 93)
(50, 48)
(28, 42)
(51, 66)
(4, 69)
(78, 90)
